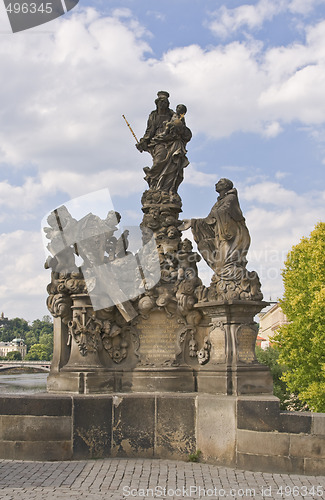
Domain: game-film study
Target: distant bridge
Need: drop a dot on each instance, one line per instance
(40, 365)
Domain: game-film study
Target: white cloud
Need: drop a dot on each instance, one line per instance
(298, 97)
(233, 168)
(270, 193)
(122, 182)
(69, 108)
(63, 94)
(272, 129)
(122, 12)
(22, 276)
(303, 6)
(66, 116)
(160, 16)
(280, 175)
(197, 178)
(277, 219)
(227, 21)
(22, 202)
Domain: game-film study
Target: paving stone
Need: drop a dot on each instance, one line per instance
(115, 478)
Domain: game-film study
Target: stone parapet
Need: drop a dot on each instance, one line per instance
(248, 432)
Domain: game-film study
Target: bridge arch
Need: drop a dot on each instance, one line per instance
(43, 366)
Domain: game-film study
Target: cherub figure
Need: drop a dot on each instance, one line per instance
(176, 122)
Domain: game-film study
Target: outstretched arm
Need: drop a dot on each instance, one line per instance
(186, 224)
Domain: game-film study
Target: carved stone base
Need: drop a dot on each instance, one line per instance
(139, 380)
(81, 382)
(178, 379)
(240, 380)
(160, 351)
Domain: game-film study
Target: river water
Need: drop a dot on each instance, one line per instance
(22, 383)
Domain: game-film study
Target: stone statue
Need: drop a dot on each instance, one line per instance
(61, 233)
(222, 237)
(165, 139)
(223, 241)
(145, 322)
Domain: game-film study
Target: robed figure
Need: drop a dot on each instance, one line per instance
(165, 139)
(222, 237)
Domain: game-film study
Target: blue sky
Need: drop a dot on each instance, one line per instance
(252, 75)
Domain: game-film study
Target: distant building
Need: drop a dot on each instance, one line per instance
(15, 345)
(3, 320)
(259, 341)
(270, 322)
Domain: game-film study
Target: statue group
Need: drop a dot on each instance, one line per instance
(146, 322)
(222, 238)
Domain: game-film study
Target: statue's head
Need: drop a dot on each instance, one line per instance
(186, 245)
(172, 232)
(224, 185)
(162, 101)
(162, 94)
(181, 109)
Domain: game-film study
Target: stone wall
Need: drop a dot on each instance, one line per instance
(270, 440)
(248, 432)
(35, 428)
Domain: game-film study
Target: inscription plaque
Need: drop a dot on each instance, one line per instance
(218, 344)
(246, 337)
(158, 339)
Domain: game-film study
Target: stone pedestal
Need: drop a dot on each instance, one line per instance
(164, 354)
(227, 358)
(83, 372)
(83, 336)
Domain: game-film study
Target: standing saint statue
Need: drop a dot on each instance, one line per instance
(165, 139)
(222, 237)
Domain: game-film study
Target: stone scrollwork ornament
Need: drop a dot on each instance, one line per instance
(114, 343)
(85, 329)
(203, 354)
(192, 345)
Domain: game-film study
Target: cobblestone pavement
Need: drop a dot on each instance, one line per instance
(142, 479)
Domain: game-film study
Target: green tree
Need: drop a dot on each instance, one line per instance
(39, 327)
(270, 358)
(47, 340)
(301, 343)
(15, 355)
(41, 332)
(14, 328)
(30, 339)
(38, 352)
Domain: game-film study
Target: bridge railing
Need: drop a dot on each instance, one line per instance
(38, 365)
(22, 363)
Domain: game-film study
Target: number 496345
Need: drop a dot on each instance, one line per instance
(29, 8)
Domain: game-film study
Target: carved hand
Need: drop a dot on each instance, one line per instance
(139, 146)
(186, 224)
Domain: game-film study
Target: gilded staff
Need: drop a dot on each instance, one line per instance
(130, 129)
